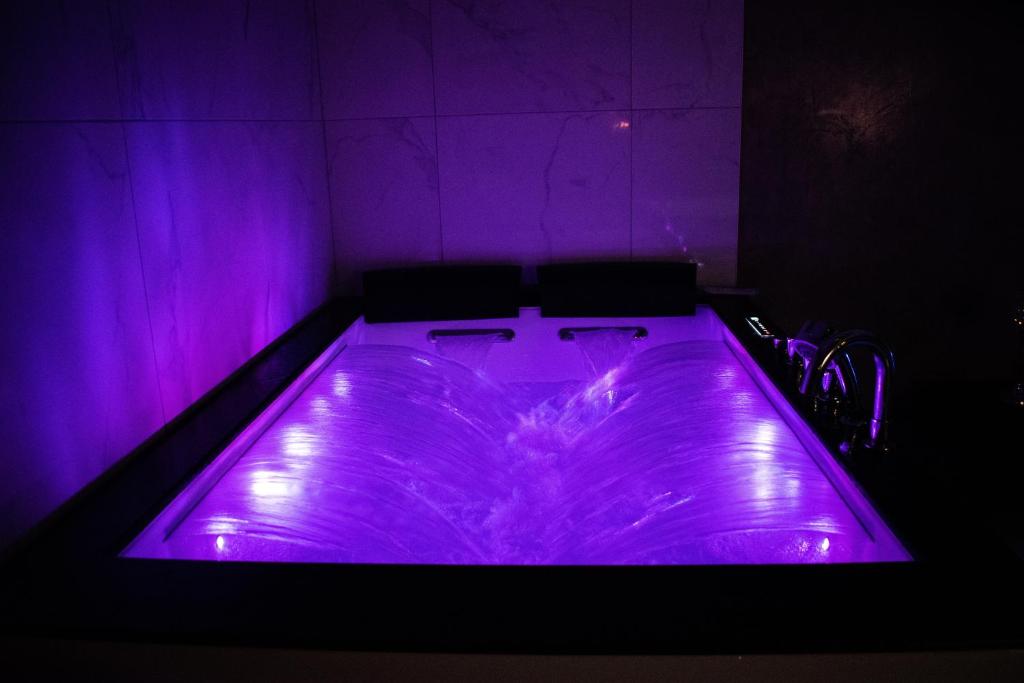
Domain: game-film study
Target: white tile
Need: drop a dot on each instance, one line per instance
(384, 194)
(235, 238)
(530, 188)
(686, 176)
(375, 58)
(687, 53)
(79, 388)
(56, 61)
(229, 59)
(499, 57)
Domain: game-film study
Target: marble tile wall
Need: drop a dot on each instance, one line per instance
(527, 188)
(384, 195)
(568, 130)
(375, 58)
(80, 384)
(165, 216)
(185, 180)
(233, 232)
(56, 61)
(226, 59)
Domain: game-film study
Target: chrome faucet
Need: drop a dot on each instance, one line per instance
(839, 387)
(832, 360)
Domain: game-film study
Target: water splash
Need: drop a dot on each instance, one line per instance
(670, 456)
(604, 349)
(468, 350)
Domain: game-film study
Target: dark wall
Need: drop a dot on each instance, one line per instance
(878, 177)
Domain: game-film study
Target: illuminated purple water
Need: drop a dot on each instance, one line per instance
(668, 455)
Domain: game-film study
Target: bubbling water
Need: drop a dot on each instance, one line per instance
(393, 455)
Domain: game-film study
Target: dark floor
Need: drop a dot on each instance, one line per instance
(73, 660)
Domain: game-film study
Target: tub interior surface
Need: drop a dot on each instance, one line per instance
(398, 446)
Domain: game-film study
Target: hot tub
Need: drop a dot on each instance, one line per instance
(526, 441)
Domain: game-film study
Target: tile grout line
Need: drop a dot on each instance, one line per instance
(367, 118)
(739, 172)
(614, 110)
(437, 145)
(632, 129)
(135, 220)
(327, 163)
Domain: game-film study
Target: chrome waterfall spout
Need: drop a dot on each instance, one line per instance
(839, 381)
(833, 355)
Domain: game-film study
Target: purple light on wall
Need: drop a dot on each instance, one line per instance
(201, 220)
(80, 388)
(216, 233)
(235, 242)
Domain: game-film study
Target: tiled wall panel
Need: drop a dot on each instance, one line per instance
(80, 386)
(186, 180)
(236, 247)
